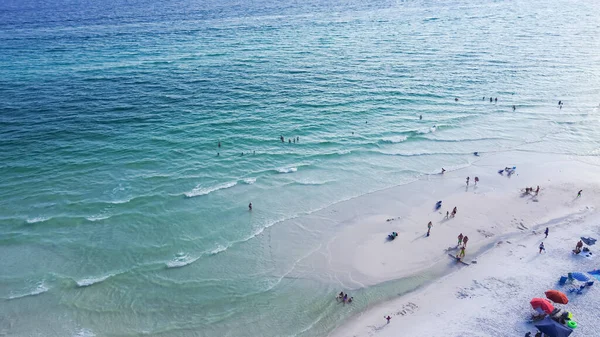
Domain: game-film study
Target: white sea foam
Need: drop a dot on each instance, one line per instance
(84, 333)
(394, 139)
(181, 260)
(218, 250)
(249, 181)
(86, 282)
(37, 219)
(39, 289)
(313, 182)
(199, 190)
(287, 169)
(97, 217)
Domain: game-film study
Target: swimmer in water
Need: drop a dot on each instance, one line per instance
(420, 117)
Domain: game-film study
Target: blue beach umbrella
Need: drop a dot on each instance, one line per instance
(579, 277)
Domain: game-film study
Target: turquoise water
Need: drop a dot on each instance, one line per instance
(117, 217)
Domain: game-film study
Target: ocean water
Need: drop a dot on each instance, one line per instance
(120, 215)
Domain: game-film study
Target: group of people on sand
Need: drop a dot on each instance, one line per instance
(529, 190)
(344, 298)
(476, 180)
(462, 244)
(453, 214)
(290, 140)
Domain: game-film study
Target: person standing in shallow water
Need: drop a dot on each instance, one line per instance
(491, 100)
(420, 117)
(250, 206)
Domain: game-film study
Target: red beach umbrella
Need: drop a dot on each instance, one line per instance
(557, 296)
(543, 304)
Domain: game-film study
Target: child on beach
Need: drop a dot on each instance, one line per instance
(388, 318)
(542, 248)
(429, 225)
(465, 239)
(460, 238)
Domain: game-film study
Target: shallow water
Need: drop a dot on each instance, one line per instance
(117, 217)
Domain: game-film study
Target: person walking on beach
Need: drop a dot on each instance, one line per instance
(250, 206)
(476, 180)
(443, 170)
(447, 214)
(429, 225)
(542, 248)
(461, 254)
(454, 212)
(579, 193)
(546, 232)
(537, 190)
(460, 238)
(468, 181)
(387, 318)
(465, 240)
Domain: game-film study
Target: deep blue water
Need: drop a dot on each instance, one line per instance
(117, 217)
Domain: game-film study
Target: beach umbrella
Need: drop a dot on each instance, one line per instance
(588, 241)
(557, 296)
(543, 304)
(552, 328)
(580, 277)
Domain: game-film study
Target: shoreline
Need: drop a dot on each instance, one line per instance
(556, 175)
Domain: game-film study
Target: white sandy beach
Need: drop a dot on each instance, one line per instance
(490, 297)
